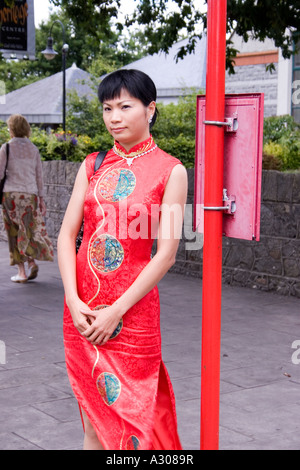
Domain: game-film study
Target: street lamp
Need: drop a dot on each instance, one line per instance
(50, 53)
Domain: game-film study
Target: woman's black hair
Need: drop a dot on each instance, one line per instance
(137, 83)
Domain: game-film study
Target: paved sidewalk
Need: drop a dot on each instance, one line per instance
(260, 384)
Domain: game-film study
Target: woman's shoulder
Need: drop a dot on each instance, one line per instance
(168, 160)
(169, 167)
(32, 148)
(90, 164)
(90, 157)
(21, 141)
(32, 145)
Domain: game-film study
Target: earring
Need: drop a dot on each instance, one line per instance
(150, 119)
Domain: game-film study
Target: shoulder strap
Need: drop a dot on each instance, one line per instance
(99, 160)
(7, 155)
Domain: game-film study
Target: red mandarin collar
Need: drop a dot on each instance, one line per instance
(137, 149)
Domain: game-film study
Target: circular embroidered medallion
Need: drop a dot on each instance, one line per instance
(132, 443)
(109, 387)
(106, 253)
(119, 327)
(117, 185)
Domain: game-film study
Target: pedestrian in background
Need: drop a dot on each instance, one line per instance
(23, 201)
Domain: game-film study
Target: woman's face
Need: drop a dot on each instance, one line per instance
(126, 119)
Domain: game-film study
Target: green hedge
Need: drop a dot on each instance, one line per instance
(69, 146)
(281, 143)
(174, 132)
(57, 145)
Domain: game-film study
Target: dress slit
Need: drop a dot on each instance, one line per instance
(81, 410)
(165, 436)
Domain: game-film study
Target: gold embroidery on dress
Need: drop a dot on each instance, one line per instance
(97, 359)
(138, 152)
(93, 235)
(130, 157)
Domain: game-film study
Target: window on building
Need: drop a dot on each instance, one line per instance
(296, 80)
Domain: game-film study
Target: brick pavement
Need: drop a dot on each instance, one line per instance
(260, 384)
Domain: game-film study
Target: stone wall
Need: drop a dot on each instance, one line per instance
(255, 79)
(59, 179)
(272, 264)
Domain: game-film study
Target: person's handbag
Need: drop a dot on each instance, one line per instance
(98, 162)
(4, 177)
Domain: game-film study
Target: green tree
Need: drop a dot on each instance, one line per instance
(93, 16)
(103, 51)
(82, 51)
(281, 143)
(163, 22)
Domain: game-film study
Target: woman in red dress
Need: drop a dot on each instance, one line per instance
(112, 309)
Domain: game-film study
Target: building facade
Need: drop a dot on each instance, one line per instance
(280, 86)
(41, 102)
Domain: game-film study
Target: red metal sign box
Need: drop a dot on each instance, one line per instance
(243, 142)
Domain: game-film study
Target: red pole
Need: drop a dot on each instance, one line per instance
(212, 249)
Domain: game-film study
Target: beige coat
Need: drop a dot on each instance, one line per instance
(24, 171)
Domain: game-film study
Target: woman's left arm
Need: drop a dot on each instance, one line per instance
(2, 161)
(169, 233)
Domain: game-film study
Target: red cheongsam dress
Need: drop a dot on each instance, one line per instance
(123, 386)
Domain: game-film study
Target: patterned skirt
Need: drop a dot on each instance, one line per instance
(25, 227)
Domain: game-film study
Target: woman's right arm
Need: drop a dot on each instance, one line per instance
(66, 248)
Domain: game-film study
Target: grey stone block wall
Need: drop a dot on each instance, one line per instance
(255, 79)
(272, 264)
(59, 179)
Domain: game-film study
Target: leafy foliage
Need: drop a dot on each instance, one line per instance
(281, 143)
(164, 22)
(4, 133)
(263, 19)
(164, 26)
(100, 52)
(174, 132)
(70, 146)
(93, 16)
(19, 73)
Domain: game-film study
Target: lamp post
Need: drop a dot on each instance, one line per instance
(50, 53)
